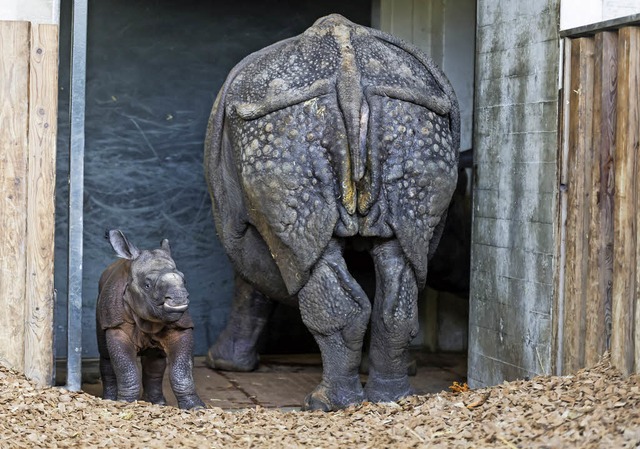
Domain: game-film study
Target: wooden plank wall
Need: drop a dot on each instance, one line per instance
(14, 108)
(28, 118)
(600, 286)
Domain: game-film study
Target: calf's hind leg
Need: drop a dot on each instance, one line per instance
(107, 374)
(394, 323)
(336, 311)
(153, 366)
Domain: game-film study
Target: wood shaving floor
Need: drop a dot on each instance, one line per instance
(595, 408)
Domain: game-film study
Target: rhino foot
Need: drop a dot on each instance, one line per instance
(326, 397)
(154, 398)
(412, 366)
(387, 390)
(222, 356)
(191, 402)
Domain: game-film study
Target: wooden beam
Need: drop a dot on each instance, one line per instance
(600, 270)
(40, 298)
(14, 109)
(632, 36)
(579, 177)
(625, 270)
(559, 276)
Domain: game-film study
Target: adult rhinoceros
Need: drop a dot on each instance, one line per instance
(342, 133)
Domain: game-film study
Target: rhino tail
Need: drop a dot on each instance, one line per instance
(350, 102)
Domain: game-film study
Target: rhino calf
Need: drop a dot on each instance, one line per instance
(142, 311)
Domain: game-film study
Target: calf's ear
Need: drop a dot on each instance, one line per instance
(122, 246)
(165, 246)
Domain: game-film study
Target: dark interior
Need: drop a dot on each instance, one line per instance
(153, 70)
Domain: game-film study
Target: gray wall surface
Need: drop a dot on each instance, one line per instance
(515, 143)
(153, 70)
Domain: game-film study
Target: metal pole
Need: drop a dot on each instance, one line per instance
(76, 193)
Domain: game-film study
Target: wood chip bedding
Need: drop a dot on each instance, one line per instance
(595, 408)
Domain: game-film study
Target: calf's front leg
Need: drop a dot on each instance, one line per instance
(179, 348)
(123, 356)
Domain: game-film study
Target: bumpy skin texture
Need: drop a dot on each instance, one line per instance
(342, 132)
(142, 311)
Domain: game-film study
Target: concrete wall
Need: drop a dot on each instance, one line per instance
(515, 144)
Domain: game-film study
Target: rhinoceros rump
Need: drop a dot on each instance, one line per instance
(341, 133)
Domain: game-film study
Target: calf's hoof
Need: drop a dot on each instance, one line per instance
(326, 397)
(221, 358)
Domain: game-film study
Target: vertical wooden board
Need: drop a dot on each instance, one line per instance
(633, 143)
(385, 15)
(421, 27)
(43, 104)
(579, 175)
(437, 12)
(625, 216)
(14, 82)
(598, 313)
(401, 19)
(561, 226)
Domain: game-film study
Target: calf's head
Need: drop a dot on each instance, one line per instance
(155, 289)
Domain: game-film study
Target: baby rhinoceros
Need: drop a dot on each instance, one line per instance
(142, 311)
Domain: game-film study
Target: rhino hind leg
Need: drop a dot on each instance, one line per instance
(394, 323)
(336, 310)
(235, 349)
(153, 367)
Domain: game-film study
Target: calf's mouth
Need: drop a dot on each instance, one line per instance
(174, 308)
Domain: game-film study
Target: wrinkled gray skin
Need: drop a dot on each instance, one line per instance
(342, 133)
(142, 311)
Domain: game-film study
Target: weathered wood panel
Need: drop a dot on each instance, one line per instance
(625, 281)
(39, 304)
(578, 190)
(600, 278)
(607, 317)
(630, 37)
(561, 222)
(626, 197)
(14, 109)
